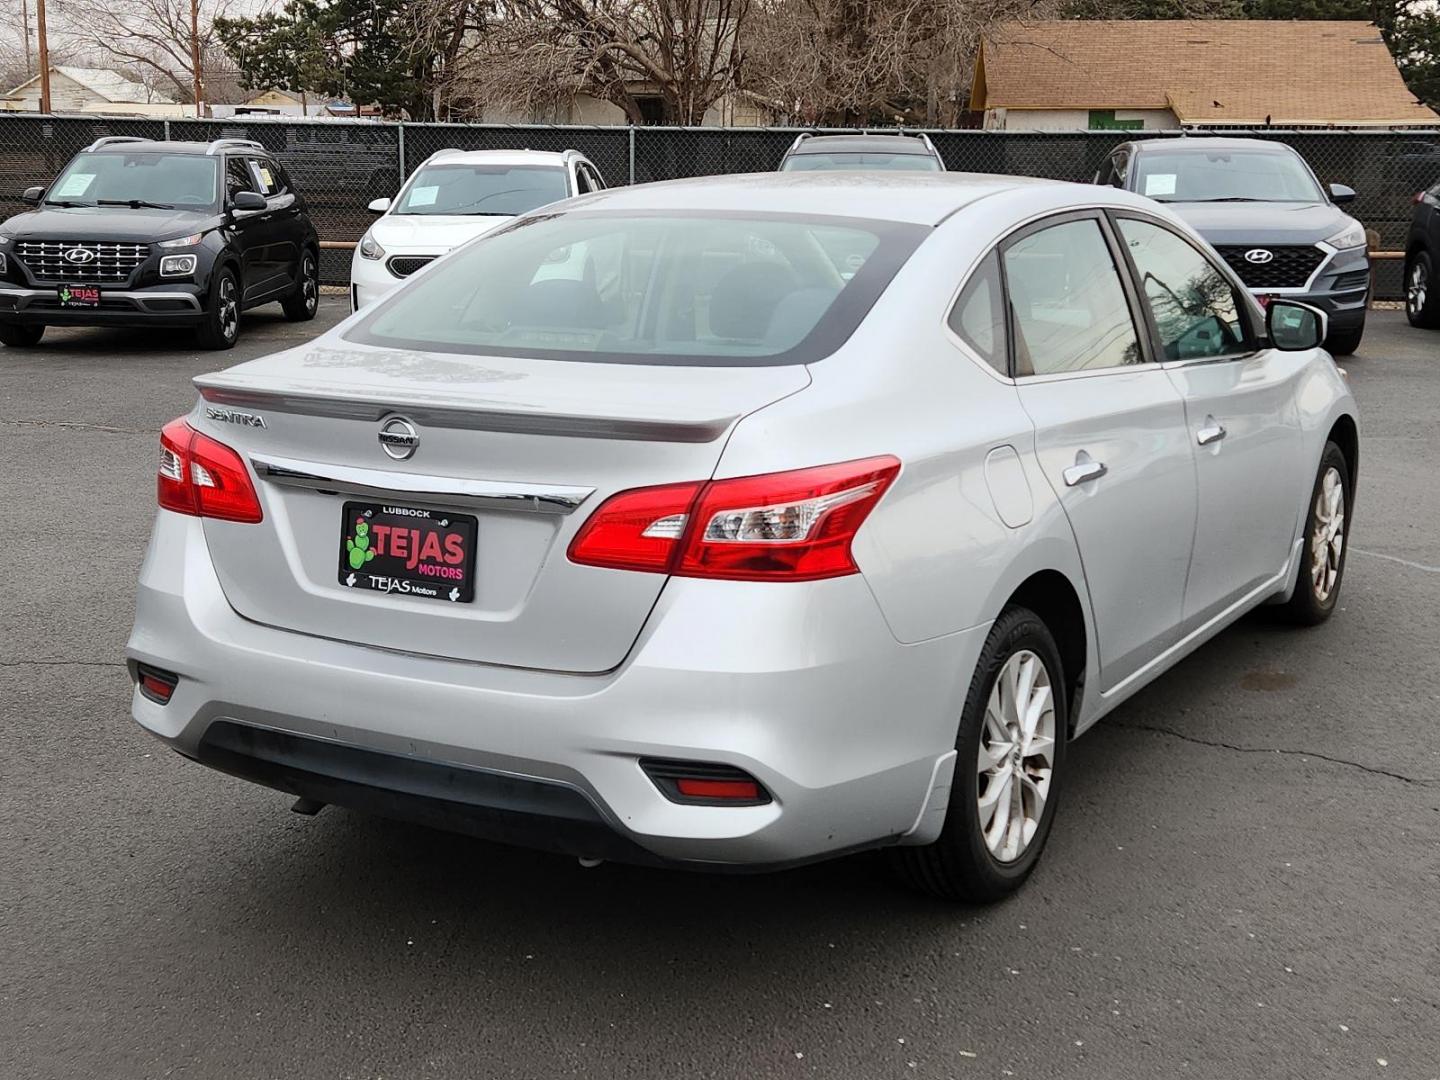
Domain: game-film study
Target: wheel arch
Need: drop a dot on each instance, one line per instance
(1345, 434)
(1053, 597)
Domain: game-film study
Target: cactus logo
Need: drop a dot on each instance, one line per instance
(357, 548)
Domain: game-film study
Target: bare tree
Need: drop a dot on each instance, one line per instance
(848, 62)
(685, 53)
(149, 37)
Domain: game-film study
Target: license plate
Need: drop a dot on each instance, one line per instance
(408, 551)
(79, 296)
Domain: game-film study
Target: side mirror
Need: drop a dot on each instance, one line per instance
(1339, 193)
(378, 206)
(33, 195)
(1294, 327)
(249, 200)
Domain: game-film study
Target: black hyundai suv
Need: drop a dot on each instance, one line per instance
(140, 233)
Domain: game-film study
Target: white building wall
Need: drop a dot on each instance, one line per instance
(1072, 119)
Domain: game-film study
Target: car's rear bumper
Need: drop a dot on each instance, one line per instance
(175, 305)
(800, 685)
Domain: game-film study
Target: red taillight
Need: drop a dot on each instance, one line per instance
(203, 477)
(788, 526)
(636, 530)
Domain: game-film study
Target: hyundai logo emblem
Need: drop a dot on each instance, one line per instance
(79, 255)
(1259, 256)
(398, 438)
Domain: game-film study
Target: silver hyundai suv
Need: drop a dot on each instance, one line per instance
(1266, 214)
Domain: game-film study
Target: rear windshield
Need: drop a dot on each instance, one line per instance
(500, 190)
(178, 180)
(1226, 176)
(676, 288)
(879, 162)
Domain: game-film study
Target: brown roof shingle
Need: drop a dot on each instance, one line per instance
(1205, 70)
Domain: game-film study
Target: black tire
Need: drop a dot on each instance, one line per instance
(1422, 291)
(304, 302)
(221, 328)
(960, 865)
(1310, 604)
(1344, 342)
(21, 335)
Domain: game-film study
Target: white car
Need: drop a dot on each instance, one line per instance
(455, 196)
(744, 521)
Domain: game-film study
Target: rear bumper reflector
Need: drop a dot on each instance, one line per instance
(154, 684)
(704, 783)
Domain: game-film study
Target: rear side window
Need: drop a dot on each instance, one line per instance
(681, 288)
(1195, 309)
(978, 317)
(1070, 309)
(267, 177)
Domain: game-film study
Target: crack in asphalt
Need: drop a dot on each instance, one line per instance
(1219, 745)
(1397, 559)
(78, 425)
(61, 663)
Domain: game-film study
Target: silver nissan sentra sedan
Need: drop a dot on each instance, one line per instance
(744, 521)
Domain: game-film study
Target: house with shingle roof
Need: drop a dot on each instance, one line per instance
(78, 89)
(1191, 73)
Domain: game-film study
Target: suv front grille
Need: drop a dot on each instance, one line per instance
(1290, 268)
(405, 265)
(110, 263)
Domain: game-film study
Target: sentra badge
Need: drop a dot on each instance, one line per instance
(232, 416)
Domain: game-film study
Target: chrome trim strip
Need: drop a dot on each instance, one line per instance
(478, 419)
(24, 296)
(447, 490)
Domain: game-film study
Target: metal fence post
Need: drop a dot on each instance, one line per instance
(167, 130)
(400, 143)
(632, 153)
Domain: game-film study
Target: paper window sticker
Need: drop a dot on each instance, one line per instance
(1160, 184)
(424, 196)
(74, 184)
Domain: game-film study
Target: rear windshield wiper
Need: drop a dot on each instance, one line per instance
(66, 203)
(135, 204)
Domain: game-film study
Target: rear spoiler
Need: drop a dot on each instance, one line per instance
(218, 390)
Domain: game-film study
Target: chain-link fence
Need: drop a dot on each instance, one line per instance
(341, 165)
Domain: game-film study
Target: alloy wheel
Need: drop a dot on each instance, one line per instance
(1327, 540)
(1017, 755)
(310, 285)
(229, 309)
(1417, 289)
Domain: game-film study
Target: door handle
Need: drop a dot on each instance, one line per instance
(1082, 471)
(1212, 432)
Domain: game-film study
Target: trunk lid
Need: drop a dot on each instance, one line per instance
(529, 448)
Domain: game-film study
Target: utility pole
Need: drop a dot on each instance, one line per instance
(44, 56)
(25, 18)
(194, 51)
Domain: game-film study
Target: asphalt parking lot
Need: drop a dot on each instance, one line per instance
(1243, 880)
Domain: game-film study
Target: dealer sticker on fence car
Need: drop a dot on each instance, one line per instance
(408, 551)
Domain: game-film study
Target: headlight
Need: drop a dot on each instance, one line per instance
(5, 239)
(1353, 235)
(369, 249)
(184, 241)
(177, 265)
(4, 264)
